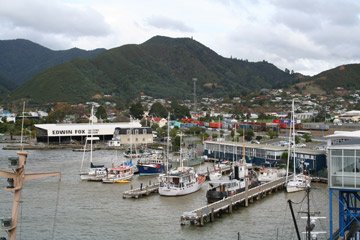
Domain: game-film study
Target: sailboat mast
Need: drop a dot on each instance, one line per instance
(293, 134)
(180, 152)
(91, 134)
(167, 143)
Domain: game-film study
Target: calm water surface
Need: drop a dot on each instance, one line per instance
(72, 209)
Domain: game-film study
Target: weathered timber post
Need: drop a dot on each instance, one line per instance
(212, 215)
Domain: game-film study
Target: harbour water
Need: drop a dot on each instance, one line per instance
(72, 209)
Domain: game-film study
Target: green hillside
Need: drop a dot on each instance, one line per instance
(22, 59)
(346, 76)
(160, 67)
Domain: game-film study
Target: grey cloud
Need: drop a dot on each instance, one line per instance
(168, 23)
(343, 13)
(53, 17)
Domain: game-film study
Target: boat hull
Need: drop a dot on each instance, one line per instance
(177, 191)
(150, 169)
(117, 179)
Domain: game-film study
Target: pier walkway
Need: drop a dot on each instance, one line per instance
(208, 213)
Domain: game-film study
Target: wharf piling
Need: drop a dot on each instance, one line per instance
(208, 213)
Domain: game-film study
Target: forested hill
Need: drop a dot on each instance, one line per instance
(345, 76)
(22, 59)
(160, 67)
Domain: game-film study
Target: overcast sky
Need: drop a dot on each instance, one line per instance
(307, 36)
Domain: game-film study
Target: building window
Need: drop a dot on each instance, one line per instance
(136, 131)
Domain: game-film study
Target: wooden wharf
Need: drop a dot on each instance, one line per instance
(141, 191)
(208, 213)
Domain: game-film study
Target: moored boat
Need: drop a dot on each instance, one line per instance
(120, 174)
(181, 181)
(268, 174)
(301, 181)
(152, 164)
(95, 172)
(236, 183)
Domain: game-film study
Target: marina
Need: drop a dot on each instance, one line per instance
(91, 210)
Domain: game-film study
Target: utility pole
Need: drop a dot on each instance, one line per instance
(195, 79)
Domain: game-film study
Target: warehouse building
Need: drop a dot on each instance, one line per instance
(77, 132)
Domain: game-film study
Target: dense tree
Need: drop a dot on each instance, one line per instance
(101, 113)
(179, 111)
(136, 110)
(320, 117)
(249, 134)
(272, 134)
(158, 110)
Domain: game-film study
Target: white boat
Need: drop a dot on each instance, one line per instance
(181, 181)
(120, 174)
(216, 174)
(299, 182)
(95, 172)
(266, 174)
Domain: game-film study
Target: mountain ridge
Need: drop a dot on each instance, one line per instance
(22, 59)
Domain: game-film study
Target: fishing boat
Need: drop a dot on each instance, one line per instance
(120, 174)
(180, 181)
(152, 164)
(301, 181)
(241, 178)
(95, 172)
(269, 174)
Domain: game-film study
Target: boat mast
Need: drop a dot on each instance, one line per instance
(293, 135)
(167, 143)
(180, 151)
(91, 134)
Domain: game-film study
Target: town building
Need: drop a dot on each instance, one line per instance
(67, 133)
(261, 154)
(344, 182)
(132, 136)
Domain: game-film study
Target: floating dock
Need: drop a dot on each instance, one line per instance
(208, 213)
